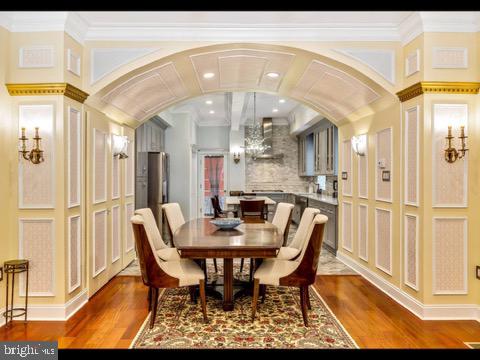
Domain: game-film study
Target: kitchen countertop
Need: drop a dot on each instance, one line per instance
(317, 197)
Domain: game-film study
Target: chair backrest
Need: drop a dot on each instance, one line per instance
(236, 193)
(150, 266)
(174, 215)
(306, 271)
(151, 228)
(252, 208)
(283, 218)
(217, 210)
(302, 231)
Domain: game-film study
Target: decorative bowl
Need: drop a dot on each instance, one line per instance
(227, 223)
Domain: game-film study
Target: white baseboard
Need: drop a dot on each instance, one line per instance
(423, 311)
(56, 312)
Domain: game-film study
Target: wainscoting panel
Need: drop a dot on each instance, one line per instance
(37, 182)
(74, 252)
(450, 256)
(129, 242)
(412, 63)
(412, 150)
(99, 166)
(115, 176)
(347, 229)
(116, 233)
(74, 157)
(363, 175)
(449, 181)
(37, 244)
(363, 232)
(36, 56)
(384, 150)
(450, 58)
(347, 167)
(411, 254)
(99, 241)
(130, 171)
(383, 240)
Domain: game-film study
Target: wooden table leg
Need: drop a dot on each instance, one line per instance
(228, 284)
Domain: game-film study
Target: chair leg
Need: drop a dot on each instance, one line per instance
(252, 268)
(215, 265)
(256, 288)
(193, 295)
(241, 264)
(203, 300)
(303, 304)
(204, 267)
(149, 298)
(154, 308)
(309, 306)
(263, 291)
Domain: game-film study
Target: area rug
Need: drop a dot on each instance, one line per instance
(278, 324)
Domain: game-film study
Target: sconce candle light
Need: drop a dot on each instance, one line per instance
(35, 156)
(236, 157)
(359, 144)
(119, 146)
(452, 154)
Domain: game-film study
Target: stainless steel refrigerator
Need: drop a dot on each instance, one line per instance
(157, 185)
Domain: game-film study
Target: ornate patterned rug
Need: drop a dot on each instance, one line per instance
(278, 324)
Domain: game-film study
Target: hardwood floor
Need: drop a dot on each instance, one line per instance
(112, 318)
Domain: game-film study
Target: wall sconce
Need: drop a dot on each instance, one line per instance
(359, 144)
(35, 156)
(452, 154)
(236, 157)
(119, 146)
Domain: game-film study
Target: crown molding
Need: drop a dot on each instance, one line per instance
(438, 87)
(39, 89)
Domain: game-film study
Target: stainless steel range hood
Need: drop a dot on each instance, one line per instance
(267, 127)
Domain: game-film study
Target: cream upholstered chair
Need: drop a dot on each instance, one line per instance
(295, 247)
(158, 274)
(174, 215)
(163, 251)
(300, 272)
(282, 219)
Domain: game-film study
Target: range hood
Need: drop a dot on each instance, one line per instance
(267, 130)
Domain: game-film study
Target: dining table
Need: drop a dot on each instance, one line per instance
(200, 239)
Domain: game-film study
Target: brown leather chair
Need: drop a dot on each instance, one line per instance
(300, 273)
(157, 274)
(236, 193)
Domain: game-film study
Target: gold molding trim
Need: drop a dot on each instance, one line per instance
(65, 89)
(438, 87)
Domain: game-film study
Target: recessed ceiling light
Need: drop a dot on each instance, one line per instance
(211, 112)
(274, 110)
(209, 102)
(273, 75)
(208, 75)
(281, 101)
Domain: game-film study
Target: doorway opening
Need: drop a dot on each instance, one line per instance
(213, 180)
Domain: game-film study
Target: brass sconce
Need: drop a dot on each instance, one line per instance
(236, 157)
(35, 156)
(452, 154)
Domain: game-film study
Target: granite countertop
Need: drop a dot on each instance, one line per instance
(317, 197)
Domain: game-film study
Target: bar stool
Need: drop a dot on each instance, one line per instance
(14, 267)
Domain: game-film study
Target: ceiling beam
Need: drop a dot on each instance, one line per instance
(238, 101)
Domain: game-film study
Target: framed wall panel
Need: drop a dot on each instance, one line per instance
(450, 256)
(383, 240)
(99, 241)
(411, 156)
(74, 245)
(36, 183)
(115, 176)
(74, 64)
(412, 63)
(347, 168)
(37, 244)
(449, 181)
(384, 154)
(130, 171)
(411, 248)
(347, 226)
(74, 157)
(116, 233)
(129, 241)
(363, 232)
(99, 166)
(363, 174)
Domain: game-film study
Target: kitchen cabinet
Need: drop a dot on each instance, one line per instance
(306, 155)
(325, 150)
(330, 233)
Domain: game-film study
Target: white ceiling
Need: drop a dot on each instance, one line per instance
(224, 112)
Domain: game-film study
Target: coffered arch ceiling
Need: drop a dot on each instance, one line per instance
(333, 89)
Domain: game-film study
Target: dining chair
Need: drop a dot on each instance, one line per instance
(292, 250)
(253, 211)
(299, 273)
(158, 274)
(162, 250)
(217, 210)
(282, 219)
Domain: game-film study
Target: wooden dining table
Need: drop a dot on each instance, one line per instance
(200, 239)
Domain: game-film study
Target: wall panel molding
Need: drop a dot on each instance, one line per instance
(362, 165)
(36, 57)
(115, 175)
(411, 156)
(347, 228)
(116, 233)
(412, 63)
(411, 251)
(449, 58)
(363, 232)
(74, 246)
(99, 154)
(383, 240)
(74, 150)
(347, 167)
(129, 241)
(384, 151)
(130, 171)
(99, 241)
